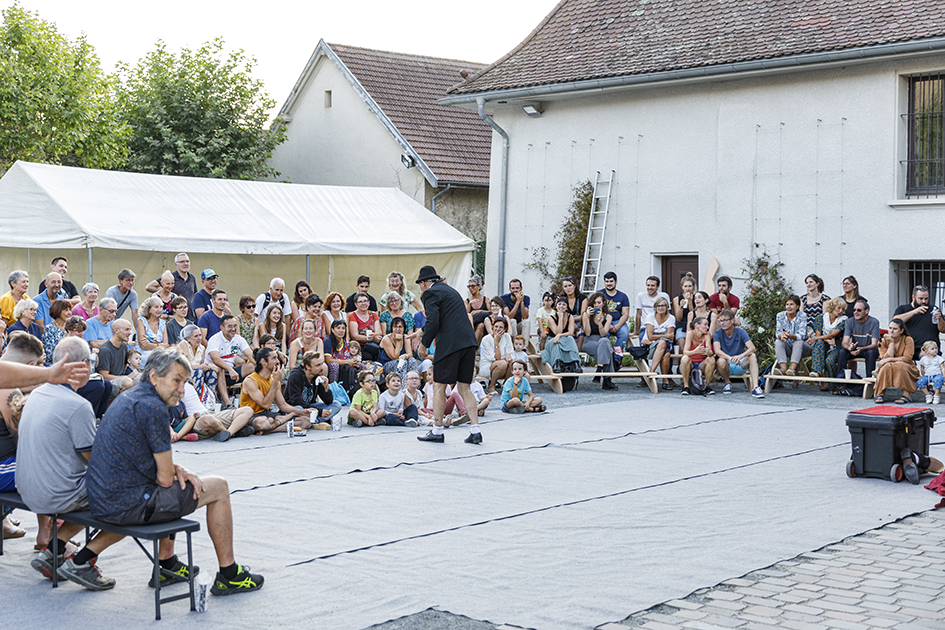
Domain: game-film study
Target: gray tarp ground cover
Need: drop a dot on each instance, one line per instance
(568, 519)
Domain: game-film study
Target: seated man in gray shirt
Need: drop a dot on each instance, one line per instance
(113, 356)
(56, 432)
(860, 338)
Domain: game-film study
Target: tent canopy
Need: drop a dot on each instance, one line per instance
(54, 207)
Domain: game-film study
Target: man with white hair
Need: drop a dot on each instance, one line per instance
(185, 284)
(53, 286)
(99, 328)
(275, 294)
(68, 291)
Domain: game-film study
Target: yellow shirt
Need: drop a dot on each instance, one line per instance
(264, 385)
(6, 307)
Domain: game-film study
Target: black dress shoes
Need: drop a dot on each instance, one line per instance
(431, 437)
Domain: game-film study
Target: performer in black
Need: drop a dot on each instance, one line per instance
(455, 358)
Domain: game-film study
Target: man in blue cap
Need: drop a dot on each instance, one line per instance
(203, 300)
(454, 361)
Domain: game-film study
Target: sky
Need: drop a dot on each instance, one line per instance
(282, 36)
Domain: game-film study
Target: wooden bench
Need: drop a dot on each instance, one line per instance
(153, 532)
(867, 383)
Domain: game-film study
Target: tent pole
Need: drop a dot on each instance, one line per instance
(90, 263)
(308, 267)
(331, 269)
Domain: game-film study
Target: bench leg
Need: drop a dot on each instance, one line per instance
(190, 572)
(769, 383)
(157, 583)
(52, 541)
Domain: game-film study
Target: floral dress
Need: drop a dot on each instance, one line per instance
(52, 335)
(247, 328)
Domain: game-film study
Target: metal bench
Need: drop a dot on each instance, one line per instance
(153, 532)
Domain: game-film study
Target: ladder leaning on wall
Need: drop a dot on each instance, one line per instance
(594, 247)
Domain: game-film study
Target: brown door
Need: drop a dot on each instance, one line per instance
(674, 268)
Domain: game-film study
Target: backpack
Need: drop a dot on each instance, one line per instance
(696, 383)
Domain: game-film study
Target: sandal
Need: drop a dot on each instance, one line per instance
(668, 386)
(903, 400)
(878, 400)
(539, 408)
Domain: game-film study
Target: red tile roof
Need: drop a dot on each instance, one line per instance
(454, 142)
(593, 39)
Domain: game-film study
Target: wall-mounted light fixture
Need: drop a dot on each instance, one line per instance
(408, 160)
(532, 110)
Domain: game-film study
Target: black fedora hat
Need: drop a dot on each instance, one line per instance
(427, 272)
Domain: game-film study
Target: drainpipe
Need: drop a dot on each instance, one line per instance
(433, 201)
(504, 191)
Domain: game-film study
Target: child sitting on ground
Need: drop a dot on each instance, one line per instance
(520, 354)
(517, 396)
(415, 394)
(394, 405)
(932, 368)
(364, 409)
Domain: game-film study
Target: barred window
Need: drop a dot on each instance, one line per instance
(925, 163)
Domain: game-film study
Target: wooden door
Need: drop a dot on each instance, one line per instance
(674, 268)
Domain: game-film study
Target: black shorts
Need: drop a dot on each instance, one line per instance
(164, 504)
(456, 367)
(233, 383)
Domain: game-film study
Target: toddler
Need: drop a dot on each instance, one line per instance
(543, 317)
(355, 349)
(520, 354)
(394, 405)
(932, 370)
(517, 396)
(133, 363)
(415, 394)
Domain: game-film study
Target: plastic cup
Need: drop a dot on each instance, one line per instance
(202, 591)
(336, 422)
(848, 374)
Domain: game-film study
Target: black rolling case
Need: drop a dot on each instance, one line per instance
(879, 434)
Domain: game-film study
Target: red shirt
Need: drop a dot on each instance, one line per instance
(715, 304)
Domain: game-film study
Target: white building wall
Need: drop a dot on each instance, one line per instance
(803, 165)
(344, 145)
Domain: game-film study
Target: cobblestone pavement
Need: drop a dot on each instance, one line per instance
(891, 577)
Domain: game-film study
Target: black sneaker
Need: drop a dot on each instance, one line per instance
(178, 573)
(245, 431)
(222, 436)
(708, 391)
(244, 582)
(685, 391)
(473, 438)
(354, 422)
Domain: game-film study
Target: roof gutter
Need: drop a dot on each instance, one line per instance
(503, 187)
(741, 68)
(433, 201)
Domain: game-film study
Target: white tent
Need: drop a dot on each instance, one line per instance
(247, 231)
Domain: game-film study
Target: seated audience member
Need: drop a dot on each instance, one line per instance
(113, 357)
(231, 354)
(67, 291)
(275, 295)
(166, 294)
(932, 373)
(55, 330)
(701, 308)
(203, 299)
(659, 333)
(724, 298)
(308, 341)
(24, 313)
(518, 350)
(735, 354)
(185, 284)
(178, 320)
(99, 328)
(342, 364)
(395, 284)
(262, 389)
(517, 396)
(75, 327)
(495, 313)
(851, 293)
(364, 285)
(393, 403)
(860, 338)
(394, 307)
(646, 305)
(618, 305)
(543, 317)
(19, 282)
(365, 328)
(812, 302)
(306, 385)
(313, 311)
(791, 335)
(124, 295)
(895, 367)
(303, 291)
(44, 299)
(24, 349)
(515, 309)
(397, 351)
(925, 322)
(334, 311)
(477, 305)
(698, 355)
(413, 391)
(597, 323)
(364, 409)
(86, 309)
(272, 323)
(205, 374)
(495, 355)
(561, 347)
(133, 366)
(219, 426)
(151, 328)
(209, 322)
(247, 318)
(56, 435)
(577, 304)
(682, 305)
(133, 480)
(831, 334)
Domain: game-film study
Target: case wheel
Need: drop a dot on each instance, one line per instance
(895, 473)
(850, 472)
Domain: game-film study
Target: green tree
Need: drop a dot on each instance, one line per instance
(56, 104)
(572, 237)
(766, 291)
(198, 113)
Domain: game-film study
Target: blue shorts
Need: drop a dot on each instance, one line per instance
(8, 475)
(735, 369)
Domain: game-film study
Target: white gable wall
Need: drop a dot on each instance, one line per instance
(344, 145)
(803, 165)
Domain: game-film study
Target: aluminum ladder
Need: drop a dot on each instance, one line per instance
(597, 221)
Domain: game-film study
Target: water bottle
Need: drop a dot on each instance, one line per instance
(290, 427)
(935, 315)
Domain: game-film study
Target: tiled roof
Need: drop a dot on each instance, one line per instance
(593, 39)
(454, 142)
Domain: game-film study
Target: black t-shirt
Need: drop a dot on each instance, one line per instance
(350, 307)
(7, 442)
(67, 288)
(301, 392)
(921, 328)
(112, 359)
